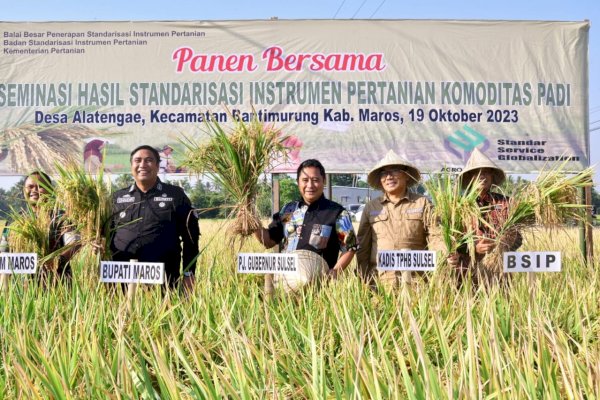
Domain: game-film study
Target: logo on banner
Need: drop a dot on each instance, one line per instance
(462, 143)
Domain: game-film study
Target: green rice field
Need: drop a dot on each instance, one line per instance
(431, 340)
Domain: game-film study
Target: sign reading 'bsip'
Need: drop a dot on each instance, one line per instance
(132, 272)
(406, 260)
(267, 263)
(532, 261)
(18, 263)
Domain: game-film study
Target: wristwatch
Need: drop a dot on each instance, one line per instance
(187, 274)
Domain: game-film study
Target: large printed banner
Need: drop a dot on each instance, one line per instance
(344, 91)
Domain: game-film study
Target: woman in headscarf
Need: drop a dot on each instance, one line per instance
(92, 155)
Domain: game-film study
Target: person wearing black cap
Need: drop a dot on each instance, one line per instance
(153, 220)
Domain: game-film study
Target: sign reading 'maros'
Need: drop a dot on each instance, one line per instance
(347, 90)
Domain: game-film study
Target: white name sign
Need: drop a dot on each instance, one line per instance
(406, 260)
(267, 263)
(532, 261)
(132, 272)
(18, 263)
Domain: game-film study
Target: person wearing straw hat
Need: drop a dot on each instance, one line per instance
(399, 219)
(482, 171)
(313, 223)
(166, 162)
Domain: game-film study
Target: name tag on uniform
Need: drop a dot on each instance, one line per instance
(414, 210)
(125, 199)
(163, 199)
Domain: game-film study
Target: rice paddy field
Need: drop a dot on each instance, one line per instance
(535, 340)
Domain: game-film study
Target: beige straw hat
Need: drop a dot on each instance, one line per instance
(476, 162)
(311, 268)
(393, 159)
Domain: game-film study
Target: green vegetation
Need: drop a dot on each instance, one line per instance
(340, 341)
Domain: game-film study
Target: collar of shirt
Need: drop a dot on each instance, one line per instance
(312, 206)
(385, 198)
(157, 186)
(489, 198)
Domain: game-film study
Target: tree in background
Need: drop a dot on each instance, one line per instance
(12, 198)
(288, 190)
(123, 181)
(182, 183)
(342, 179)
(352, 180)
(208, 199)
(512, 185)
(264, 201)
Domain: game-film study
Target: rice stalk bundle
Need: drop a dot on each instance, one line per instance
(550, 201)
(235, 160)
(456, 211)
(29, 232)
(555, 195)
(86, 201)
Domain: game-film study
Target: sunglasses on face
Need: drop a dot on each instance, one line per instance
(390, 172)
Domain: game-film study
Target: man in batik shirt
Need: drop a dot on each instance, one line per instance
(313, 223)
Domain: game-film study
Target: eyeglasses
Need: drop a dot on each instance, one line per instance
(390, 172)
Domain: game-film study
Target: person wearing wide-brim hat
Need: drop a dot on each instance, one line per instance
(481, 167)
(482, 171)
(399, 219)
(166, 160)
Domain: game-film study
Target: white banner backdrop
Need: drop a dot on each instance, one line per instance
(345, 91)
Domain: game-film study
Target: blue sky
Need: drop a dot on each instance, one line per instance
(125, 10)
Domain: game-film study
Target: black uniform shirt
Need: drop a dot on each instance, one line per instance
(151, 227)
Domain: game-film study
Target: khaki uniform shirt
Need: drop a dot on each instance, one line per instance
(408, 224)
